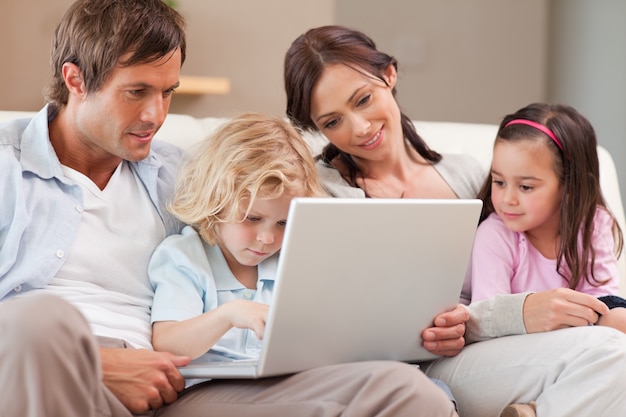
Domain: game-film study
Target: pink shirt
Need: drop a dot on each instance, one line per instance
(505, 262)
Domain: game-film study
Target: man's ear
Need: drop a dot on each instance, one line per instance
(73, 79)
(391, 75)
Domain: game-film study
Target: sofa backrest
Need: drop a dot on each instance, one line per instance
(445, 137)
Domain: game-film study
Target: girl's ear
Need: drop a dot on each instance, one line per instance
(73, 79)
(390, 75)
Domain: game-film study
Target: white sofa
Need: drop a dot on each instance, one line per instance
(445, 137)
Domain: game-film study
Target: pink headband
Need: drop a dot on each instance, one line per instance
(537, 126)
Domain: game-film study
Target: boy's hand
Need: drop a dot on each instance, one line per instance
(245, 314)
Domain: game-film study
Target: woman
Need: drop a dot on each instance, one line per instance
(349, 96)
(339, 84)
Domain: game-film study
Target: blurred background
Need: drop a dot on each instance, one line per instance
(459, 60)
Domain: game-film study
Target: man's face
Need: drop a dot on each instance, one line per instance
(120, 120)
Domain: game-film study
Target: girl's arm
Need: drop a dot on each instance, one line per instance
(493, 256)
(561, 308)
(195, 336)
(605, 265)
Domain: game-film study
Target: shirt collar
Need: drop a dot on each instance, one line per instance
(38, 155)
(224, 278)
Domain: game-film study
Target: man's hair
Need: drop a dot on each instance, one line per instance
(97, 35)
(251, 156)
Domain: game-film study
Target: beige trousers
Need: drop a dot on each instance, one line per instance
(49, 366)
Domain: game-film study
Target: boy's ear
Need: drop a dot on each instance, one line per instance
(73, 79)
(391, 75)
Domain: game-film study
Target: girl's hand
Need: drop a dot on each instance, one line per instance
(559, 308)
(446, 337)
(245, 314)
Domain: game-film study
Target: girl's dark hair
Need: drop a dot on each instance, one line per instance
(304, 64)
(578, 170)
(97, 35)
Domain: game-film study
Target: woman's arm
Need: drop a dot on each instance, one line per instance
(498, 316)
(445, 338)
(511, 314)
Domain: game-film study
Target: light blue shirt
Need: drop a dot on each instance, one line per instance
(191, 277)
(42, 209)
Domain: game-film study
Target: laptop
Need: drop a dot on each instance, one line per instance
(358, 280)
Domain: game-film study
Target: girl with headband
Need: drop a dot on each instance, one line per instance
(544, 223)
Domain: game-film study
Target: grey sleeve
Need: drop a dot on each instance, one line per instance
(463, 173)
(497, 317)
(334, 184)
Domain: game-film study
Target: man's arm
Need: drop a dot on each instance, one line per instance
(142, 379)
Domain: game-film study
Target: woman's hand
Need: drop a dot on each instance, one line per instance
(446, 337)
(142, 379)
(559, 308)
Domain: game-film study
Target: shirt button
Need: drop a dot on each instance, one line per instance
(78, 209)
(17, 288)
(60, 254)
(247, 295)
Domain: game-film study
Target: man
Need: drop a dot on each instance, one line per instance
(83, 205)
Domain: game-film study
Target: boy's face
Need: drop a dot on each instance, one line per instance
(260, 235)
(121, 118)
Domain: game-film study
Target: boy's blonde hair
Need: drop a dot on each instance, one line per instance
(251, 156)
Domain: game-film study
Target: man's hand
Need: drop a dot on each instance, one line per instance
(142, 379)
(446, 337)
(559, 308)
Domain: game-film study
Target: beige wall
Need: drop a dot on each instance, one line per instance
(469, 60)
(244, 40)
(26, 28)
(461, 60)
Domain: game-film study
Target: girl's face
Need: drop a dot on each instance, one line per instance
(525, 190)
(259, 236)
(356, 112)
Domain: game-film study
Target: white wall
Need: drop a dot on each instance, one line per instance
(588, 68)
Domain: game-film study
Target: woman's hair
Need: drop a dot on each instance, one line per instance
(305, 62)
(251, 156)
(576, 165)
(97, 35)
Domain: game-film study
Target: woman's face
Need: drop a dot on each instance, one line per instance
(357, 112)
